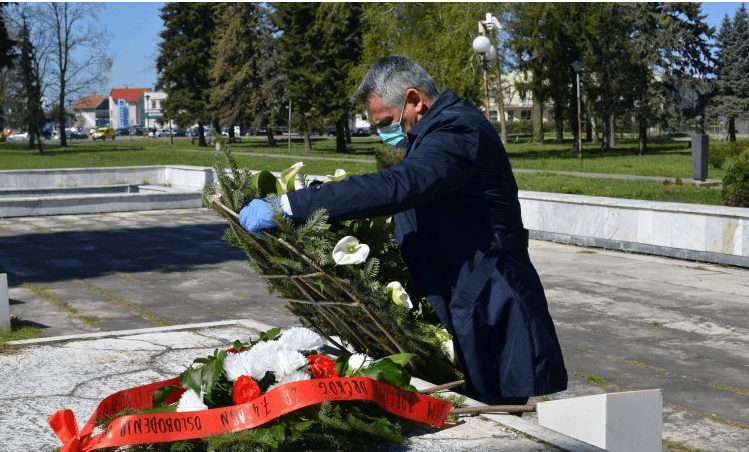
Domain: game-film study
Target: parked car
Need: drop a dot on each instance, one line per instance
(179, 133)
(76, 135)
(103, 133)
(19, 136)
(122, 132)
(138, 131)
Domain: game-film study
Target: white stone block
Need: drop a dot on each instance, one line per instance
(617, 422)
(4, 303)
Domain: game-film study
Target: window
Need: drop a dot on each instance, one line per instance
(525, 114)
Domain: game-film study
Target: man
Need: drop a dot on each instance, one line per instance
(458, 226)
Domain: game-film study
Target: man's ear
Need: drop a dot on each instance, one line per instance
(416, 99)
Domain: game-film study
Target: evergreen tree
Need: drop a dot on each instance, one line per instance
(184, 63)
(32, 115)
(235, 75)
(7, 52)
(731, 99)
(320, 43)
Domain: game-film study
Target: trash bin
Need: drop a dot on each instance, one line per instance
(699, 156)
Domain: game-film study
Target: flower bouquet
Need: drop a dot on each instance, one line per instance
(346, 280)
(275, 392)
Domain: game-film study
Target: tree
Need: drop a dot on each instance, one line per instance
(7, 55)
(235, 73)
(32, 116)
(443, 47)
(184, 63)
(72, 31)
(320, 43)
(731, 98)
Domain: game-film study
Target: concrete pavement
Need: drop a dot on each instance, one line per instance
(625, 321)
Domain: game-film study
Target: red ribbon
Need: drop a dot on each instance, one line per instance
(166, 427)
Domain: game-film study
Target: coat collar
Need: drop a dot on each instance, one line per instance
(444, 100)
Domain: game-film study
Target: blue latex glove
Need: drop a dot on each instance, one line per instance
(257, 215)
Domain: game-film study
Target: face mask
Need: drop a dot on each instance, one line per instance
(393, 134)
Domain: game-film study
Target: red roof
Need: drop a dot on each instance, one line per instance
(128, 94)
(92, 101)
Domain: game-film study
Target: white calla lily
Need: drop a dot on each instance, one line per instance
(399, 295)
(348, 250)
(288, 176)
(339, 175)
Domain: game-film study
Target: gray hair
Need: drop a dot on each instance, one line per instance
(390, 77)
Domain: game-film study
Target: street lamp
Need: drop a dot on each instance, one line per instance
(145, 113)
(577, 65)
(483, 46)
(492, 23)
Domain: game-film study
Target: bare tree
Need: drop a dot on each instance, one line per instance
(72, 28)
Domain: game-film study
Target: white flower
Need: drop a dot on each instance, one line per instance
(289, 177)
(339, 175)
(253, 363)
(295, 376)
(301, 339)
(349, 251)
(191, 401)
(399, 295)
(358, 360)
(286, 362)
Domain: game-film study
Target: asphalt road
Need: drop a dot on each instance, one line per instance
(625, 321)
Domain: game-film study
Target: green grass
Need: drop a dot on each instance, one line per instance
(18, 331)
(664, 159)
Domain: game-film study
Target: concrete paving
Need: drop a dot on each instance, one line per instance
(625, 321)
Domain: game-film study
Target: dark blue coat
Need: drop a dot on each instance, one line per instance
(460, 232)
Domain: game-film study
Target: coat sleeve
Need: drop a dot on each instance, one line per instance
(441, 159)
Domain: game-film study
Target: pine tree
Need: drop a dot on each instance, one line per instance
(731, 100)
(320, 43)
(32, 115)
(235, 75)
(184, 63)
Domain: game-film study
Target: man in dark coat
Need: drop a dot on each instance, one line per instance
(458, 226)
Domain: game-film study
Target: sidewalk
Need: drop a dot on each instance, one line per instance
(625, 321)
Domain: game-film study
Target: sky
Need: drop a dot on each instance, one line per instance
(135, 27)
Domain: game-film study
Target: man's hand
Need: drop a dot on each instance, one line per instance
(257, 215)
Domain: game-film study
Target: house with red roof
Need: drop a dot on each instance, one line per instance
(92, 111)
(126, 106)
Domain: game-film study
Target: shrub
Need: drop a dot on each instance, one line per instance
(387, 156)
(736, 182)
(717, 155)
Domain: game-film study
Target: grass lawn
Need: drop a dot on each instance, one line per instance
(664, 159)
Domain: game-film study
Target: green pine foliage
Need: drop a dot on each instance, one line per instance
(349, 303)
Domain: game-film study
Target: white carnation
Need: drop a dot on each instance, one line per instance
(301, 339)
(359, 360)
(191, 401)
(286, 362)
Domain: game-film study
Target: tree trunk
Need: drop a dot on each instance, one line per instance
(307, 142)
(271, 139)
(538, 127)
(201, 136)
(612, 131)
(592, 125)
(559, 123)
(731, 129)
(61, 117)
(642, 133)
(340, 137)
(501, 104)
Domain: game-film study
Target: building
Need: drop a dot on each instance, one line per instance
(517, 106)
(126, 107)
(92, 111)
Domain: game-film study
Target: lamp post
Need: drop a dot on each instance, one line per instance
(577, 65)
(145, 113)
(483, 46)
(492, 23)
